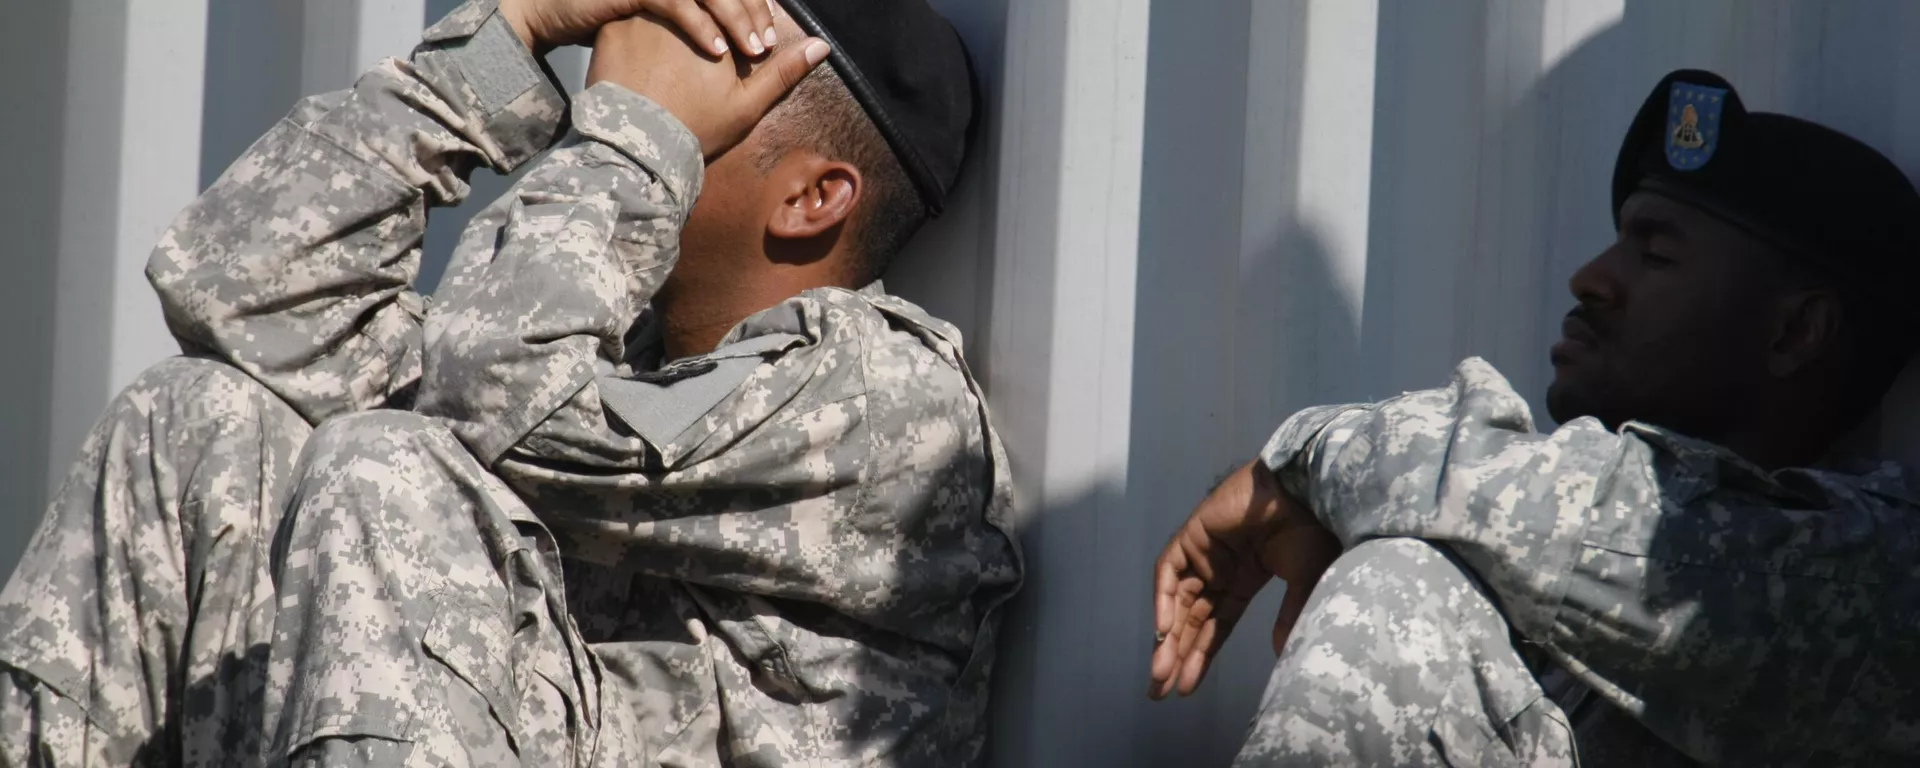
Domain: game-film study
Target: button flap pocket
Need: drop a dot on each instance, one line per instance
(1464, 738)
(478, 652)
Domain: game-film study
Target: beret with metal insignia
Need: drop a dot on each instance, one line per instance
(907, 67)
(1813, 191)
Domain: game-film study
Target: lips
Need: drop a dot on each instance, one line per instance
(1576, 329)
(1576, 335)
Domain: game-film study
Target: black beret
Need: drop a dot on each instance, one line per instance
(907, 67)
(1811, 190)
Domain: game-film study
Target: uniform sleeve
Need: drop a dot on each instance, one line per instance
(297, 265)
(1730, 610)
(1460, 465)
(551, 276)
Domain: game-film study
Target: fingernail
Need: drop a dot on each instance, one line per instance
(773, 8)
(772, 37)
(817, 51)
(753, 43)
(719, 45)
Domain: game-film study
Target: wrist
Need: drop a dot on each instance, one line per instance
(512, 12)
(1269, 505)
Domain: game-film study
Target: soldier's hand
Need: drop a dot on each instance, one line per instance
(1244, 534)
(720, 100)
(546, 24)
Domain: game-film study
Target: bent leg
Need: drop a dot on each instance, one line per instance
(421, 619)
(129, 622)
(1400, 659)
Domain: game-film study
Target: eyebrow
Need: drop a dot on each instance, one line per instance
(1644, 225)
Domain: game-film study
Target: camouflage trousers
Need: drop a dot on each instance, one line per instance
(219, 584)
(1400, 659)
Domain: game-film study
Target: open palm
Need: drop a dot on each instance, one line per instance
(1243, 535)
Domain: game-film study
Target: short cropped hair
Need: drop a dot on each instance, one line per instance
(821, 114)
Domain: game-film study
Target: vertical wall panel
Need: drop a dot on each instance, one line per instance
(33, 105)
(1191, 317)
(345, 37)
(1426, 157)
(253, 77)
(1062, 357)
(130, 162)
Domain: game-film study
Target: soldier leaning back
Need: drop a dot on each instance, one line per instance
(646, 481)
(1682, 571)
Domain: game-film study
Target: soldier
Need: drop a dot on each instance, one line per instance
(644, 482)
(1685, 551)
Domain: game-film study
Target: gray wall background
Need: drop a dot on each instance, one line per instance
(1184, 221)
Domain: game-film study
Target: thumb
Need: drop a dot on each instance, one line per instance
(772, 80)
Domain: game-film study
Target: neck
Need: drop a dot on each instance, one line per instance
(696, 330)
(695, 318)
(1785, 436)
(1772, 452)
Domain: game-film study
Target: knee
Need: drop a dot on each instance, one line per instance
(1400, 576)
(193, 389)
(381, 465)
(370, 436)
(358, 474)
(1388, 645)
(1391, 607)
(178, 415)
(1410, 555)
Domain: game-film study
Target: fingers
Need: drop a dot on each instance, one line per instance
(1225, 615)
(1181, 606)
(1182, 661)
(1203, 621)
(1193, 666)
(738, 18)
(1166, 579)
(785, 69)
(762, 13)
(698, 25)
(1168, 656)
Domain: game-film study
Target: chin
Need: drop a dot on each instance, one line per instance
(1564, 404)
(1557, 406)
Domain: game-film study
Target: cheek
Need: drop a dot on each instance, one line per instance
(1694, 343)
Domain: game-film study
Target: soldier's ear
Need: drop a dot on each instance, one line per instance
(1807, 326)
(817, 196)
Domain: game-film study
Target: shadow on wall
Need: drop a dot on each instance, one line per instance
(1495, 132)
(1845, 65)
(33, 98)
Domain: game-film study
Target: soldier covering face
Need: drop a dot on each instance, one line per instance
(661, 474)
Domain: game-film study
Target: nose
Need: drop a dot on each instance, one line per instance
(1595, 281)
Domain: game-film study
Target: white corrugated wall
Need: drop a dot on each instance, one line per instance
(1186, 219)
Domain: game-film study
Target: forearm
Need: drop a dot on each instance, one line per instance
(297, 265)
(1458, 466)
(553, 274)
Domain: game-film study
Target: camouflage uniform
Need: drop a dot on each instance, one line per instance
(1744, 617)
(791, 550)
